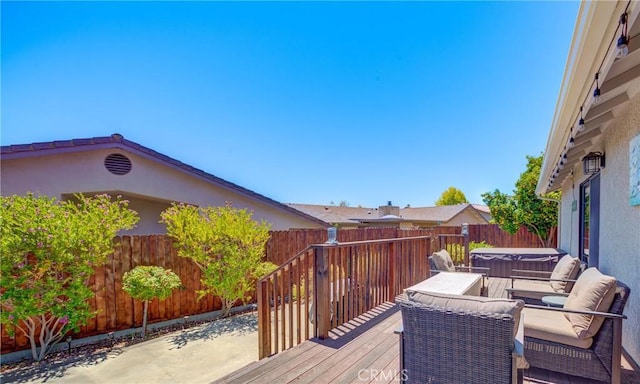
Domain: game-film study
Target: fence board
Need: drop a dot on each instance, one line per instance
(126, 267)
(154, 305)
(110, 293)
(139, 243)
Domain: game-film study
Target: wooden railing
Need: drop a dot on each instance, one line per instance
(327, 285)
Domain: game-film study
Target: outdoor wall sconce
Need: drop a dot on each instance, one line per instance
(592, 162)
(465, 229)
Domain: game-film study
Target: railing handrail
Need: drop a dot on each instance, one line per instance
(283, 265)
(331, 245)
(389, 240)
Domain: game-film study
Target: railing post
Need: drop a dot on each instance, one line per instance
(321, 292)
(264, 320)
(465, 233)
(391, 270)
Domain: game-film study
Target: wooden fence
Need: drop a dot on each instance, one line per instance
(117, 311)
(284, 244)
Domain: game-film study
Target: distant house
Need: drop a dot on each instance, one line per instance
(394, 216)
(596, 164)
(150, 180)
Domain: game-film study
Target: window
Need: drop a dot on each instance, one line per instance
(590, 220)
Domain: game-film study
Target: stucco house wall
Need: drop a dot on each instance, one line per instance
(619, 221)
(469, 216)
(150, 185)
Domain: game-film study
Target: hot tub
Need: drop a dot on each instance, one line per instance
(502, 260)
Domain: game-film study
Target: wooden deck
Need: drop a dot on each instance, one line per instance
(366, 350)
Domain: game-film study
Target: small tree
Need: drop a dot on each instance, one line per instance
(524, 207)
(146, 283)
(49, 250)
(225, 243)
(451, 196)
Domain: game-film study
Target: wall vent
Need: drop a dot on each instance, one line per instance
(117, 164)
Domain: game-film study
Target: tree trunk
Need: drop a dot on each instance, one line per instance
(226, 307)
(144, 318)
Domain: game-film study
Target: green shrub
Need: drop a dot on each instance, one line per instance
(146, 283)
(225, 243)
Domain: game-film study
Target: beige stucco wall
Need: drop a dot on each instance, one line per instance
(469, 216)
(619, 221)
(153, 183)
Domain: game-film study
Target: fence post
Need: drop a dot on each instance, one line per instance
(264, 320)
(391, 270)
(321, 294)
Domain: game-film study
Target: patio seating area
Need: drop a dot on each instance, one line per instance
(366, 349)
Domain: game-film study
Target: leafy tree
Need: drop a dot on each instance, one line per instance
(225, 243)
(524, 207)
(147, 282)
(451, 196)
(49, 250)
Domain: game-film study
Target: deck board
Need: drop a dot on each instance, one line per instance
(366, 350)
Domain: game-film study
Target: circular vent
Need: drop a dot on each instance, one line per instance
(117, 164)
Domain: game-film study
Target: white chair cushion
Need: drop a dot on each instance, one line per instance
(443, 261)
(593, 291)
(552, 326)
(542, 287)
(567, 268)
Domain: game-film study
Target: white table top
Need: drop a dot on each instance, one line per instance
(554, 301)
(455, 283)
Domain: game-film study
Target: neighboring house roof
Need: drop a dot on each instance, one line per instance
(336, 214)
(482, 208)
(442, 213)
(118, 141)
(355, 215)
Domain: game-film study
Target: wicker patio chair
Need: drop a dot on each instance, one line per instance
(448, 344)
(441, 262)
(599, 361)
(531, 286)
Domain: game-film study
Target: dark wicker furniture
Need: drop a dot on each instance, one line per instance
(449, 346)
(599, 362)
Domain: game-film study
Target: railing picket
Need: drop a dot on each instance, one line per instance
(307, 294)
(283, 309)
(275, 312)
(298, 304)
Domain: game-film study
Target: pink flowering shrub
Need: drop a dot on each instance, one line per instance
(49, 251)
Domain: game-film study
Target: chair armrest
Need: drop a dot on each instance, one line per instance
(544, 293)
(531, 271)
(540, 279)
(485, 269)
(591, 313)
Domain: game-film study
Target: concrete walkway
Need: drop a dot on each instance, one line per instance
(196, 355)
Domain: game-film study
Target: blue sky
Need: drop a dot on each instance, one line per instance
(362, 102)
